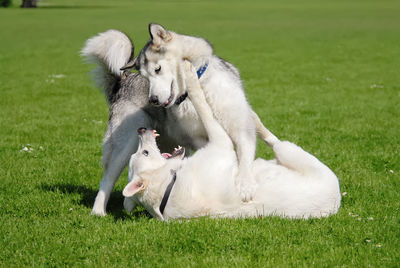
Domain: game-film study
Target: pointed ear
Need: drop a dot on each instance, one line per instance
(130, 65)
(159, 34)
(133, 187)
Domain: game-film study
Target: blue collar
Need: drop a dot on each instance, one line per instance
(201, 70)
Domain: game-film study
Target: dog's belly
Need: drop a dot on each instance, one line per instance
(205, 185)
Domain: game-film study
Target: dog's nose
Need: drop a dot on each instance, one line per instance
(141, 130)
(154, 100)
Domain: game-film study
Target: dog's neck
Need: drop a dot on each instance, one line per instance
(159, 180)
(181, 99)
(167, 192)
(200, 71)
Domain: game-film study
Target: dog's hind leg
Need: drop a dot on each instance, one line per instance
(120, 142)
(112, 170)
(114, 161)
(246, 146)
(245, 142)
(295, 158)
(263, 132)
(286, 153)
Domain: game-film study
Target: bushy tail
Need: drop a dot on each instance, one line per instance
(110, 50)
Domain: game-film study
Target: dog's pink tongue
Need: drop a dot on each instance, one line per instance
(166, 155)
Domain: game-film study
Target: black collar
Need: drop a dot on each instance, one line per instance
(181, 98)
(167, 193)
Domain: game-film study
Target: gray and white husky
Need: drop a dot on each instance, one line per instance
(160, 61)
(127, 95)
(294, 185)
(162, 83)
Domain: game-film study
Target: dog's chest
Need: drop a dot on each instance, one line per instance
(185, 125)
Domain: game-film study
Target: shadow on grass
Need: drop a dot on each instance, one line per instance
(87, 196)
(72, 7)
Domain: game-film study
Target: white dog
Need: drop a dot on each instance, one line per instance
(128, 95)
(160, 62)
(295, 185)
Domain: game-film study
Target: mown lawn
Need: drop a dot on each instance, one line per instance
(323, 74)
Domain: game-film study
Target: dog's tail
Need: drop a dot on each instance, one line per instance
(110, 50)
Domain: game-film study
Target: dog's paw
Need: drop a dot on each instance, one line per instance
(247, 190)
(192, 82)
(99, 212)
(189, 69)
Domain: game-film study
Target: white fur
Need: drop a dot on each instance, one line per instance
(111, 50)
(111, 47)
(294, 185)
(222, 87)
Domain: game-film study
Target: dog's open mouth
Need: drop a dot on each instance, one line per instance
(176, 152)
(171, 96)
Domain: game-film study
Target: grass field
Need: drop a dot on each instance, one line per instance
(323, 74)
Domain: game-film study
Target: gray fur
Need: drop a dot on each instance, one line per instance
(127, 96)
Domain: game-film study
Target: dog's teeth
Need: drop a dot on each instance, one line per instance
(155, 133)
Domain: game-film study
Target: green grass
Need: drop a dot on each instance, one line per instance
(323, 74)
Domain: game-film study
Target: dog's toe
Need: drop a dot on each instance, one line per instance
(247, 191)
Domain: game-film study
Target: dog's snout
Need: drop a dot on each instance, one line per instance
(141, 130)
(154, 100)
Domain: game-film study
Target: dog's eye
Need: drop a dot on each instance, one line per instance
(145, 152)
(158, 69)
